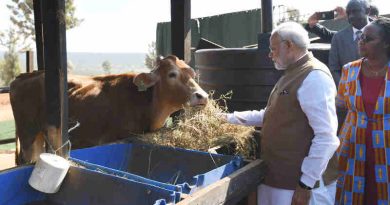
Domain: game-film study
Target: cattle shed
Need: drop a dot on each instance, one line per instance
(238, 188)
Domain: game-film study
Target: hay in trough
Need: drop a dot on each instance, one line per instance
(202, 129)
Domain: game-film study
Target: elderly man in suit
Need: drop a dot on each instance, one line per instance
(344, 43)
(326, 34)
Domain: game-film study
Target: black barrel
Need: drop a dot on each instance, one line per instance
(249, 73)
(320, 51)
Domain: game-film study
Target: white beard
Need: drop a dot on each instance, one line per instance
(279, 67)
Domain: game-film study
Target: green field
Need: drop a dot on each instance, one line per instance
(7, 130)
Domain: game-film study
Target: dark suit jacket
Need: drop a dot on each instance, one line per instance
(343, 50)
(321, 31)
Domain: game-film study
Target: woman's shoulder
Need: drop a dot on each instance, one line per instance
(353, 64)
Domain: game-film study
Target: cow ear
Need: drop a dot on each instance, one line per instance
(145, 80)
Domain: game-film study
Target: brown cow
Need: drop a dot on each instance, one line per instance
(108, 107)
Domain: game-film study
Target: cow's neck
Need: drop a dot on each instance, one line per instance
(161, 110)
(160, 113)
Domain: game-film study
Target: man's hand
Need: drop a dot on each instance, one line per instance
(301, 196)
(341, 13)
(222, 116)
(312, 20)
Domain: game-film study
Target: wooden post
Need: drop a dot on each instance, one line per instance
(266, 25)
(53, 15)
(38, 33)
(266, 16)
(29, 61)
(181, 29)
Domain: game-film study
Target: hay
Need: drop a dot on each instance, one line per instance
(202, 129)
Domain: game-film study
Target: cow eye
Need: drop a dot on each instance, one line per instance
(172, 75)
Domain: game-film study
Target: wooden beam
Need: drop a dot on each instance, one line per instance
(230, 189)
(29, 61)
(39, 33)
(53, 15)
(266, 16)
(181, 29)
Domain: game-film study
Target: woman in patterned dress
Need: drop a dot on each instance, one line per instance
(364, 90)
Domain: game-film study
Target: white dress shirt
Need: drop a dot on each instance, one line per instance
(355, 30)
(316, 97)
(361, 30)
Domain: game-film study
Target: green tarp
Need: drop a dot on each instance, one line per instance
(163, 37)
(228, 30)
(232, 30)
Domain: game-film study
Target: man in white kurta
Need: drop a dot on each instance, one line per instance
(309, 83)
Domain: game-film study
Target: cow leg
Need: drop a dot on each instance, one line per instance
(18, 152)
(31, 153)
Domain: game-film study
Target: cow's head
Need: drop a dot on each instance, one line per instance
(174, 84)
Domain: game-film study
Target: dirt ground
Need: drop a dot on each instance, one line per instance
(7, 157)
(5, 108)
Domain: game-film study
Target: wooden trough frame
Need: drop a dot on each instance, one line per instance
(51, 56)
(231, 189)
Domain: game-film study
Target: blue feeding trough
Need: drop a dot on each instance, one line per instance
(15, 190)
(81, 187)
(175, 169)
(123, 174)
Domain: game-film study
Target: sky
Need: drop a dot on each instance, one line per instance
(130, 25)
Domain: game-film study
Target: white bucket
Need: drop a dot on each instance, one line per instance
(48, 173)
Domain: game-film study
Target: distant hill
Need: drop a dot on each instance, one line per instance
(91, 63)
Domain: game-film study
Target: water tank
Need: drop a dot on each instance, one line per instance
(320, 51)
(248, 72)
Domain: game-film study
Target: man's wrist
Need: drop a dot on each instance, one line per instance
(304, 186)
(312, 25)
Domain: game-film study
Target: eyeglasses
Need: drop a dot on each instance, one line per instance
(366, 39)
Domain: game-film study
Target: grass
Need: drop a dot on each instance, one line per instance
(204, 129)
(7, 130)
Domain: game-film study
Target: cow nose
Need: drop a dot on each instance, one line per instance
(200, 97)
(200, 94)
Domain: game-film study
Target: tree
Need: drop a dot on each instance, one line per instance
(107, 66)
(22, 16)
(293, 14)
(151, 56)
(288, 14)
(70, 66)
(10, 67)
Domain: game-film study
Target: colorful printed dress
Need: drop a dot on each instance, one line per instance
(357, 126)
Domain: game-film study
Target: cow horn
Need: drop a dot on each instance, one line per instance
(159, 58)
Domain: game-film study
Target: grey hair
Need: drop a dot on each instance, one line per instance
(293, 32)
